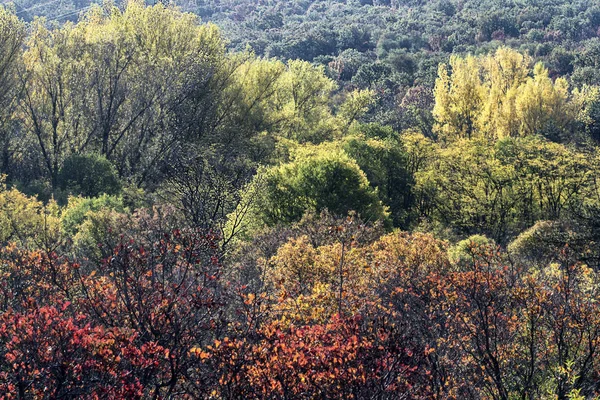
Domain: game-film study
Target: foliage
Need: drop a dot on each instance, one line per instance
(12, 34)
(500, 189)
(466, 251)
(79, 209)
(88, 176)
(317, 179)
(112, 54)
(385, 163)
(341, 313)
(27, 221)
(229, 231)
(495, 97)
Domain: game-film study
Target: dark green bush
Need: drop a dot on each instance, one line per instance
(88, 175)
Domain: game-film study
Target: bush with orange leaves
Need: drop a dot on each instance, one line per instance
(344, 358)
(339, 317)
(344, 320)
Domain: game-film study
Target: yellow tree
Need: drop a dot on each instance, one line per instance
(313, 283)
(504, 72)
(497, 96)
(543, 106)
(459, 97)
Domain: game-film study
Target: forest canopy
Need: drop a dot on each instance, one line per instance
(300, 200)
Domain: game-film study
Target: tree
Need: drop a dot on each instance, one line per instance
(543, 107)
(458, 97)
(78, 208)
(305, 113)
(88, 176)
(27, 221)
(385, 163)
(108, 84)
(494, 97)
(316, 179)
(505, 71)
(500, 189)
(207, 189)
(12, 36)
(168, 292)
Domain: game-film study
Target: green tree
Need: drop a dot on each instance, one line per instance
(109, 83)
(88, 176)
(316, 179)
(305, 112)
(79, 209)
(499, 189)
(385, 163)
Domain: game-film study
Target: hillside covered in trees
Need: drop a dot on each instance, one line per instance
(391, 46)
(300, 200)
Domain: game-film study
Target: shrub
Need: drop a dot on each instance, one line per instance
(88, 175)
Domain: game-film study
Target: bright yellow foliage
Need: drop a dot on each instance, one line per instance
(27, 221)
(542, 104)
(499, 95)
(459, 97)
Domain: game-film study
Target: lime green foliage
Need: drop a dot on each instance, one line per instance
(379, 153)
(27, 221)
(294, 100)
(129, 84)
(499, 189)
(466, 251)
(420, 150)
(98, 85)
(80, 209)
(89, 176)
(12, 36)
(506, 72)
(356, 105)
(305, 111)
(543, 106)
(588, 98)
(317, 178)
(104, 225)
(152, 91)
